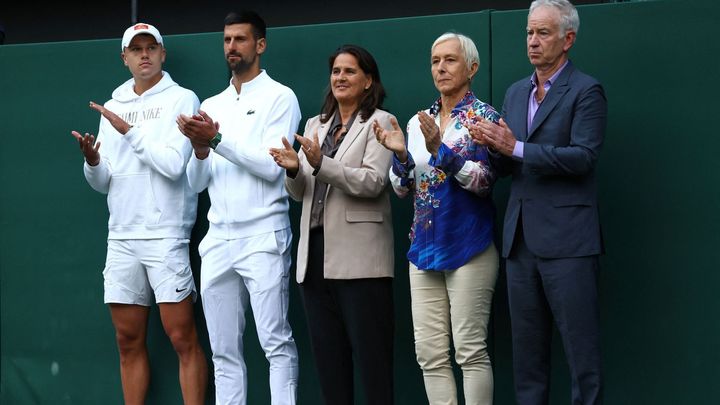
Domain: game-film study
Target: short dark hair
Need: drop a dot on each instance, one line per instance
(375, 95)
(248, 17)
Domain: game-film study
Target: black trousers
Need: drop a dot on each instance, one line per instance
(351, 322)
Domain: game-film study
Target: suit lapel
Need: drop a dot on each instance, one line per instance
(350, 137)
(322, 131)
(557, 91)
(522, 112)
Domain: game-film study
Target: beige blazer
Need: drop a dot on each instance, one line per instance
(357, 221)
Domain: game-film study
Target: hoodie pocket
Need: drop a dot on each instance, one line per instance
(131, 200)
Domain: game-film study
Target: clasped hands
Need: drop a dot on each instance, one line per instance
(495, 136)
(200, 129)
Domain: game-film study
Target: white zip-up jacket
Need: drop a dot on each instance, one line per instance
(143, 171)
(246, 186)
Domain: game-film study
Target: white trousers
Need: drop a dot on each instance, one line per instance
(236, 272)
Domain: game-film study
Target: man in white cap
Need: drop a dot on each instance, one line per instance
(141, 167)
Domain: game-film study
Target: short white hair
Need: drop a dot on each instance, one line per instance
(569, 19)
(467, 47)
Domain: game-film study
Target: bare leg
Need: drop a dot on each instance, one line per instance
(130, 323)
(179, 324)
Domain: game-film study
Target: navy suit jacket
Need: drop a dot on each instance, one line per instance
(553, 188)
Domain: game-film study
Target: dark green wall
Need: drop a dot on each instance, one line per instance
(657, 173)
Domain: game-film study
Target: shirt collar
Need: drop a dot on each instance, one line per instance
(551, 80)
(466, 102)
(255, 82)
(337, 122)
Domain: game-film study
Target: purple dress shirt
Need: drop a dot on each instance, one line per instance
(533, 105)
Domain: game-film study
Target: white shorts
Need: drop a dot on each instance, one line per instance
(137, 268)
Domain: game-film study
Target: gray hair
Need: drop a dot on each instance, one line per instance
(569, 19)
(467, 46)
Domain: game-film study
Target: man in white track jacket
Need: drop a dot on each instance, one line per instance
(246, 252)
(141, 167)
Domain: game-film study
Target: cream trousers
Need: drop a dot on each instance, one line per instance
(455, 304)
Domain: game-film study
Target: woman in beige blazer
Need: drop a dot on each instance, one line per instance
(345, 254)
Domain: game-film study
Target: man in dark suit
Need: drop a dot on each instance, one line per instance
(548, 141)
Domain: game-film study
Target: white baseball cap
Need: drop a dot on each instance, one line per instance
(140, 28)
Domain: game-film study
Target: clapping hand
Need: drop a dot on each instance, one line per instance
(89, 147)
(393, 140)
(286, 157)
(431, 132)
(311, 148)
(118, 123)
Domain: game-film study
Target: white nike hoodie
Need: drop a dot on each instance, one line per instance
(143, 171)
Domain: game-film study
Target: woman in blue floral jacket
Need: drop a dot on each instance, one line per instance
(453, 261)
